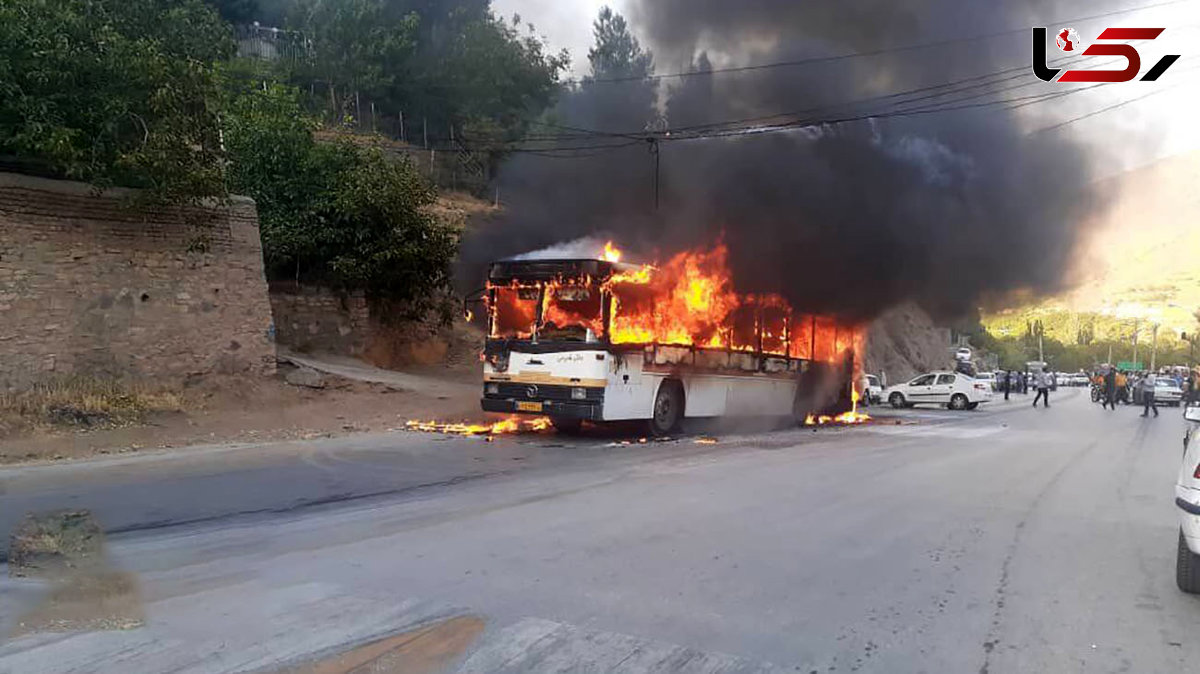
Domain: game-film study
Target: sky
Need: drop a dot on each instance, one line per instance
(1156, 127)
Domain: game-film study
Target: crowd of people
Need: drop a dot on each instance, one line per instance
(1110, 386)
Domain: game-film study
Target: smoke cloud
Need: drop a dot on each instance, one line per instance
(849, 218)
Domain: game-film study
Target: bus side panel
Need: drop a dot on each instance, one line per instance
(760, 396)
(629, 392)
(705, 395)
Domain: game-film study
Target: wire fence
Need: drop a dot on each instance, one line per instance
(271, 44)
(446, 162)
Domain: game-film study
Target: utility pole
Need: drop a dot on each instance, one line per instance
(1135, 343)
(1154, 347)
(1041, 351)
(1110, 353)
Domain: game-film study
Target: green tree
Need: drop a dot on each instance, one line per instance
(452, 65)
(114, 92)
(616, 52)
(359, 47)
(236, 11)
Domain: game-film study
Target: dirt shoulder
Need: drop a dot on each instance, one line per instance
(228, 410)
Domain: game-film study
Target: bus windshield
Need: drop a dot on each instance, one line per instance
(569, 313)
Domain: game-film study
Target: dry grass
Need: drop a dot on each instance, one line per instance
(83, 402)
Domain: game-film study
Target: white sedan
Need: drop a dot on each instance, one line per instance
(951, 389)
(1187, 497)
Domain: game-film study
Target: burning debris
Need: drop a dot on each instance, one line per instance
(507, 426)
(850, 418)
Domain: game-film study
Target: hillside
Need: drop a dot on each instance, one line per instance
(1142, 263)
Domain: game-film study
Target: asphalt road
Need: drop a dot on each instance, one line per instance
(1002, 540)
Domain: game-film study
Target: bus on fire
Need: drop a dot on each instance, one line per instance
(599, 340)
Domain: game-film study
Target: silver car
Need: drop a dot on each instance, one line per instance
(1167, 392)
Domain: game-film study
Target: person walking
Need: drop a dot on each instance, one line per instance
(1122, 387)
(1148, 383)
(1110, 389)
(1044, 380)
(1008, 377)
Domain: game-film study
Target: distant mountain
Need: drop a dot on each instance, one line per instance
(1143, 261)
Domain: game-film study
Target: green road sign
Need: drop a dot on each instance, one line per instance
(1129, 365)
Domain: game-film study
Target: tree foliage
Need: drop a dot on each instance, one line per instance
(616, 52)
(335, 213)
(114, 92)
(450, 63)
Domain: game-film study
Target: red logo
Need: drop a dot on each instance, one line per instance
(1068, 41)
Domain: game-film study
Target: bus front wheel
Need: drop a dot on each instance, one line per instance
(668, 409)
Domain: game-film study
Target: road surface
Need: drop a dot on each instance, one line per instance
(1002, 540)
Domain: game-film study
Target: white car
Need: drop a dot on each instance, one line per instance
(1080, 379)
(951, 389)
(989, 378)
(1167, 392)
(963, 353)
(872, 389)
(1187, 497)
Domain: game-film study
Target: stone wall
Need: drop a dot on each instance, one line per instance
(92, 286)
(316, 319)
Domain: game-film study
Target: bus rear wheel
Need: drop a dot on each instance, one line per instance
(668, 409)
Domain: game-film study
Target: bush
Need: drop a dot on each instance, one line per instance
(335, 213)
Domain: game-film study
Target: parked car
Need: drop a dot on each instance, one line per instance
(1166, 392)
(963, 353)
(1187, 497)
(950, 389)
(1080, 379)
(1061, 379)
(990, 378)
(872, 389)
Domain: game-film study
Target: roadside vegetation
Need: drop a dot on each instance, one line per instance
(1073, 341)
(82, 402)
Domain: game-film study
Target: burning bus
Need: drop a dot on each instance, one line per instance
(600, 340)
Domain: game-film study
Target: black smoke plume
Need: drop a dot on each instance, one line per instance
(848, 218)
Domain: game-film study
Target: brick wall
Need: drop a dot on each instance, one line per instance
(316, 319)
(92, 286)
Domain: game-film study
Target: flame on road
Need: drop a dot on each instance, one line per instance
(846, 418)
(505, 426)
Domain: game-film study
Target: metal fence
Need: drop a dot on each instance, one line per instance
(271, 44)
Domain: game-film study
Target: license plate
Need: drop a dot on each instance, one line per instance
(529, 407)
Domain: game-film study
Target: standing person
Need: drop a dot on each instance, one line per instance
(1148, 384)
(1008, 377)
(1122, 387)
(1110, 388)
(1044, 379)
(1024, 383)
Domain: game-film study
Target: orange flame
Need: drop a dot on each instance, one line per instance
(688, 301)
(508, 425)
(849, 418)
(611, 253)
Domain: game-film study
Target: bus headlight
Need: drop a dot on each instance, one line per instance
(578, 394)
(492, 389)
